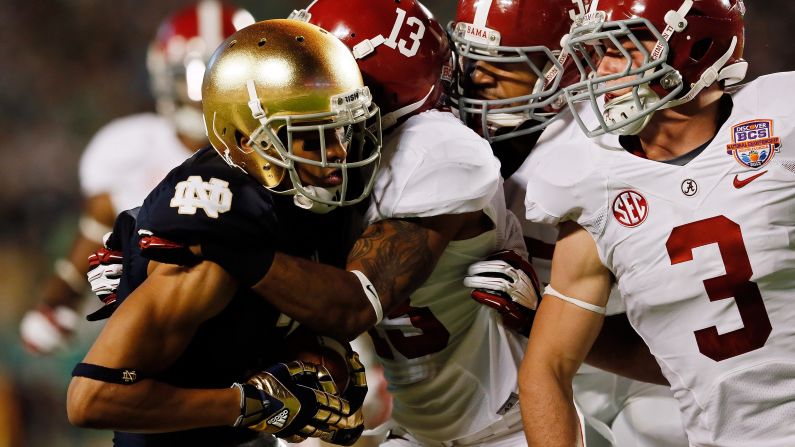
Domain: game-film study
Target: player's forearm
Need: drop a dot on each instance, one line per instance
(327, 299)
(149, 406)
(548, 414)
(66, 286)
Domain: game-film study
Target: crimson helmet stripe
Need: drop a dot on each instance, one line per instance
(210, 18)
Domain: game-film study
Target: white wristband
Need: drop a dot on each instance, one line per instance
(240, 418)
(371, 294)
(579, 303)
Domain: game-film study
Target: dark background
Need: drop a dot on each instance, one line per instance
(67, 68)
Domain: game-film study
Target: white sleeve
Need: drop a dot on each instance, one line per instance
(446, 169)
(564, 184)
(113, 151)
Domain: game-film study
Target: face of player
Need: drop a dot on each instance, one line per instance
(615, 61)
(492, 80)
(308, 145)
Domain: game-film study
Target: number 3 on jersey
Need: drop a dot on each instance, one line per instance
(736, 283)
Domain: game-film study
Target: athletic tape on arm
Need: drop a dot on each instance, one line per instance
(579, 303)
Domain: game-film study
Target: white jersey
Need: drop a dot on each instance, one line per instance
(128, 157)
(603, 397)
(450, 364)
(703, 254)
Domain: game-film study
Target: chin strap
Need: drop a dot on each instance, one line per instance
(390, 119)
(714, 73)
(303, 201)
(500, 120)
(631, 104)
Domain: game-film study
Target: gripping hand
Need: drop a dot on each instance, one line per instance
(506, 282)
(295, 401)
(104, 273)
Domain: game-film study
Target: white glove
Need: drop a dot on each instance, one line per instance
(104, 274)
(505, 273)
(47, 329)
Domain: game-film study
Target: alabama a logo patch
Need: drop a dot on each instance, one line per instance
(630, 208)
(753, 143)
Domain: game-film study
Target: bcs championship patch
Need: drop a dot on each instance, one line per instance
(753, 143)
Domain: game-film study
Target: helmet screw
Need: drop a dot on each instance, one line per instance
(671, 80)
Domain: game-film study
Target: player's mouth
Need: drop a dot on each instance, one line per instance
(487, 96)
(334, 178)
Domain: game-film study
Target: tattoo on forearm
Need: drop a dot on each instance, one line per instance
(397, 255)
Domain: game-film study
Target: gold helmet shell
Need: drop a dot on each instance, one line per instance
(278, 77)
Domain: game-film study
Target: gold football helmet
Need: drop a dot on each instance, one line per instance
(277, 81)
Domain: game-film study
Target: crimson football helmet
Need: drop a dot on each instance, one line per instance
(512, 32)
(402, 51)
(695, 44)
(178, 55)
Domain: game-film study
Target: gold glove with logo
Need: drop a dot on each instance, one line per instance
(297, 400)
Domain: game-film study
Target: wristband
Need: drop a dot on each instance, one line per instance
(371, 294)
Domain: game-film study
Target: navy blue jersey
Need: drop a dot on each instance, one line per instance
(204, 201)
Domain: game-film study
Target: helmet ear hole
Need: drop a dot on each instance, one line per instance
(700, 49)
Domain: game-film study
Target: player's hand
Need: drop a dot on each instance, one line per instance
(47, 329)
(298, 400)
(506, 282)
(104, 273)
(357, 382)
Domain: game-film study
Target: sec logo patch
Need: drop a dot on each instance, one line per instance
(630, 208)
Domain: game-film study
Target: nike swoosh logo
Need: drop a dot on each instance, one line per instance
(741, 183)
(373, 292)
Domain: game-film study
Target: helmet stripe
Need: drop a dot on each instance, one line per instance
(482, 9)
(209, 16)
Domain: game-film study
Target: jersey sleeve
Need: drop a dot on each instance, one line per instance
(205, 202)
(434, 168)
(564, 183)
(111, 152)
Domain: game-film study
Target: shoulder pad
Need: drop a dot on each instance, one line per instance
(206, 201)
(432, 167)
(564, 183)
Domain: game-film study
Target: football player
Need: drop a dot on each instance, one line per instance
(192, 356)
(437, 206)
(129, 156)
(512, 70)
(684, 196)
